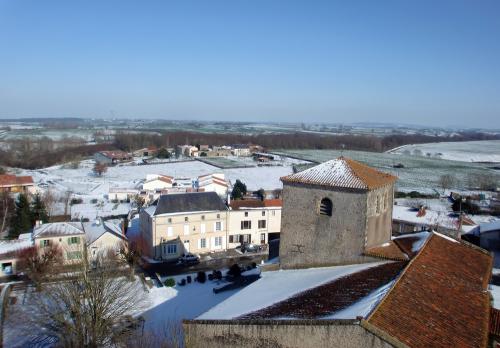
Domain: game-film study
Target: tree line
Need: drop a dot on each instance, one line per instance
(33, 154)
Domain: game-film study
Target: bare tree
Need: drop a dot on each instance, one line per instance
(100, 168)
(6, 210)
(39, 262)
(66, 200)
(49, 199)
(90, 307)
(447, 181)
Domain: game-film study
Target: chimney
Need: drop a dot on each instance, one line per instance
(97, 221)
(38, 223)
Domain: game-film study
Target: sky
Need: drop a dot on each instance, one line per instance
(419, 62)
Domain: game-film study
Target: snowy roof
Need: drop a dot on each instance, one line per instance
(188, 202)
(344, 173)
(276, 286)
(431, 218)
(9, 247)
(94, 231)
(490, 226)
(55, 229)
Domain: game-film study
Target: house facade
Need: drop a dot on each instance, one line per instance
(253, 221)
(72, 237)
(182, 223)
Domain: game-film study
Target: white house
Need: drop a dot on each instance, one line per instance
(157, 182)
(212, 183)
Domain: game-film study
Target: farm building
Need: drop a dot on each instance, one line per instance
(17, 184)
(112, 157)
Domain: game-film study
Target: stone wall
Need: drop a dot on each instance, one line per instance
(279, 334)
(379, 221)
(309, 239)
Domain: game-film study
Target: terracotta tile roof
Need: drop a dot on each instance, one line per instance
(255, 203)
(331, 297)
(14, 180)
(441, 299)
(344, 173)
(389, 251)
(495, 322)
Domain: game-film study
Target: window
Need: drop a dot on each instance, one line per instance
(325, 207)
(262, 223)
(203, 243)
(246, 225)
(246, 214)
(378, 205)
(169, 220)
(171, 248)
(218, 241)
(218, 226)
(73, 255)
(263, 213)
(203, 217)
(232, 239)
(262, 238)
(186, 219)
(45, 243)
(73, 240)
(218, 216)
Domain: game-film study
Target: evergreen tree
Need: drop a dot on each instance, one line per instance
(38, 210)
(236, 193)
(242, 187)
(21, 220)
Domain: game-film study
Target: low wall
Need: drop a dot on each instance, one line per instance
(279, 334)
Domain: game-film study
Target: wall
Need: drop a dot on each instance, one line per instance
(160, 232)
(62, 242)
(276, 334)
(379, 215)
(310, 239)
(108, 241)
(272, 216)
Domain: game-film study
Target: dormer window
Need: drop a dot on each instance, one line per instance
(325, 207)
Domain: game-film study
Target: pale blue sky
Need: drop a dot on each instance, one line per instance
(423, 62)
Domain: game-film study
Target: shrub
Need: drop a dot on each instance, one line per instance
(114, 201)
(93, 200)
(188, 278)
(76, 201)
(234, 270)
(85, 220)
(170, 282)
(201, 277)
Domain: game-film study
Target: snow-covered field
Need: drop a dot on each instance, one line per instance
(417, 172)
(467, 151)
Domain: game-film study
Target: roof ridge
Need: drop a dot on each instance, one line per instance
(398, 278)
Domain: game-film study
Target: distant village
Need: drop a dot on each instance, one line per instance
(334, 257)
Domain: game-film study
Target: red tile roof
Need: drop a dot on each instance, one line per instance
(344, 173)
(441, 299)
(255, 203)
(389, 251)
(13, 180)
(495, 322)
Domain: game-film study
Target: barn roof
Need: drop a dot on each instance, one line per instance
(14, 180)
(343, 173)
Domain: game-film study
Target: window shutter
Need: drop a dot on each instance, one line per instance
(213, 242)
(199, 243)
(223, 246)
(215, 226)
(222, 225)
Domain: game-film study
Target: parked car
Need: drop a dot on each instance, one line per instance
(189, 259)
(250, 248)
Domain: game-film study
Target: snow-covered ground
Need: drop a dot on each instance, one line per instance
(276, 286)
(466, 151)
(82, 183)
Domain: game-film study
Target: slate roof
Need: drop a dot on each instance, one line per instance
(441, 299)
(14, 180)
(343, 173)
(189, 202)
(94, 231)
